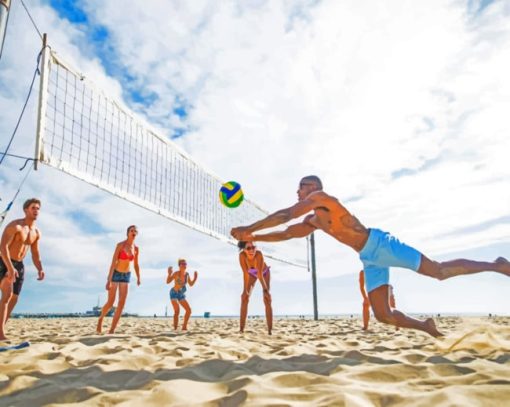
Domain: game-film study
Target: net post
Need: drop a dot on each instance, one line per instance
(314, 278)
(41, 106)
(4, 19)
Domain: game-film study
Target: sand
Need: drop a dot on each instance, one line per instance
(331, 362)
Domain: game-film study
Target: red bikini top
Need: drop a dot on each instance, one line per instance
(123, 255)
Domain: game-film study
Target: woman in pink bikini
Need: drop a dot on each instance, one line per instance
(126, 252)
(254, 268)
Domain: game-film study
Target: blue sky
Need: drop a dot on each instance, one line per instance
(100, 41)
(399, 107)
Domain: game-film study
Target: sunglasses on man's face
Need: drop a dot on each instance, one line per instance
(182, 263)
(250, 247)
(303, 184)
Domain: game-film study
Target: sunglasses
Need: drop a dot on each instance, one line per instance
(183, 263)
(302, 184)
(250, 247)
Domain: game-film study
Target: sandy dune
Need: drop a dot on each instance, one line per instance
(304, 363)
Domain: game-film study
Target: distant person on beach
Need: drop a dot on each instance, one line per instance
(18, 237)
(126, 252)
(366, 300)
(178, 291)
(378, 250)
(254, 268)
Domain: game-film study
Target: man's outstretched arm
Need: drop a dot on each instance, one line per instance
(293, 231)
(275, 219)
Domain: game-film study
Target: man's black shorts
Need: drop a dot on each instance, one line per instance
(18, 281)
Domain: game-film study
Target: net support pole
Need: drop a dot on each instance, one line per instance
(4, 18)
(43, 95)
(314, 277)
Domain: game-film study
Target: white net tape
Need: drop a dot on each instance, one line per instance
(87, 134)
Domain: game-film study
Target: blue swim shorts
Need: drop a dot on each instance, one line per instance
(178, 294)
(382, 251)
(119, 277)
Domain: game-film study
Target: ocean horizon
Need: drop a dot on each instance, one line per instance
(280, 316)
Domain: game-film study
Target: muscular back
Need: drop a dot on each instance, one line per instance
(334, 219)
(19, 237)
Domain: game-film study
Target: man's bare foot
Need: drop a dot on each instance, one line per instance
(430, 328)
(111, 332)
(504, 265)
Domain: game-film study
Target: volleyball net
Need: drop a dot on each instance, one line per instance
(85, 133)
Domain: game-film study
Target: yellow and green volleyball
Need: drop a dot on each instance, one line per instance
(231, 194)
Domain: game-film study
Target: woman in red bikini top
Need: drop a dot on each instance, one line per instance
(254, 268)
(126, 252)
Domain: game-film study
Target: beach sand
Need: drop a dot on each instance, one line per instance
(330, 362)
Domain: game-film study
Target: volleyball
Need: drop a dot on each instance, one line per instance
(231, 194)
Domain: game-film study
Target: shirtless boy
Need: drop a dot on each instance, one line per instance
(19, 236)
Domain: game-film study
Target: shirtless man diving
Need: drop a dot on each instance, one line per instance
(18, 236)
(377, 250)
